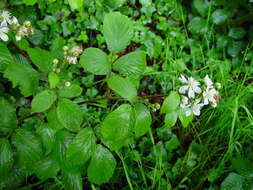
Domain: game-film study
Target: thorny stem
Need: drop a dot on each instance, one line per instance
(91, 101)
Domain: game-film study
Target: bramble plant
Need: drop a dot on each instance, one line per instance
(102, 100)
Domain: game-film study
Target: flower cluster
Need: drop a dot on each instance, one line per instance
(8, 22)
(195, 96)
(71, 54)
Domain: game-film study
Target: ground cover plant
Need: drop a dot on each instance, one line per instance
(117, 94)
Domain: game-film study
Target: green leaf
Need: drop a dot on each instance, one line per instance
(41, 58)
(69, 115)
(28, 146)
(29, 2)
(47, 134)
(71, 91)
(53, 79)
(8, 116)
(131, 64)
(118, 31)
(243, 166)
(82, 146)
(232, 182)
(72, 181)
(43, 101)
(5, 57)
(185, 120)
(46, 168)
(171, 103)
(219, 16)
(143, 119)
(76, 4)
(197, 25)
(95, 61)
(171, 119)
(117, 126)
(124, 87)
(201, 6)
(23, 76)
(6, 156)
(102, 166)
(63, 139)
(53, 120)
(237, 33)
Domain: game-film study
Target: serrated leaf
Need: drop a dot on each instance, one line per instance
(8, 116)
(232, 182)
(76, 4)
(6, 156)
(124, 87)
(117, 126)
(118, 31)
(102, 166)
(5, 57)
(171, 119)
(131, 64)
(143, 119)
(72, 181)
(82, 146)
(53, 79)
(23, 76)
(69, 115)
(170, 103)
(185, 120)
(95, 61)
(47, 134)
(43, 101)
(41, 58)
(53, 120)
(28, 146)
(71, 91)
(46, 168)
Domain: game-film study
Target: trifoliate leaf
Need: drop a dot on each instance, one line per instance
(5, 57)
(118, 31)
(95, 61)
(102, 166)
(117, 126)
(43, 101)
(131, 64)
(171, 103)
(69, 115)
(8, 116)
(82, 146)
(124, 87)
(143, 119)
(23, 76)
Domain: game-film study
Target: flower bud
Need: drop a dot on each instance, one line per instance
(67, 84)
(65, 48)
(218, 85)
(27, 23)
(55, 62)
(58, 70)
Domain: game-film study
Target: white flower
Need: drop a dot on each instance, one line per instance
(195, 108)
(71, 59)
(185, 102)
(18, 37)
(209, 96)
(6, 17)
(14, 21)
(3, 30)
(192, 86)
(208, 82)
(67, 84)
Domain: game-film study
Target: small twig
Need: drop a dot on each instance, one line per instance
(90, 101)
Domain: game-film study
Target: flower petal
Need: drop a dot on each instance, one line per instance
(191, 93)
(183, 89)
(4, 37)
(208, 81)
(183, 79)
(197, 90)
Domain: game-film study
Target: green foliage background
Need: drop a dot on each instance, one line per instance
(105, 130)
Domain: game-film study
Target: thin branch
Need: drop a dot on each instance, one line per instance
(91, 101)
